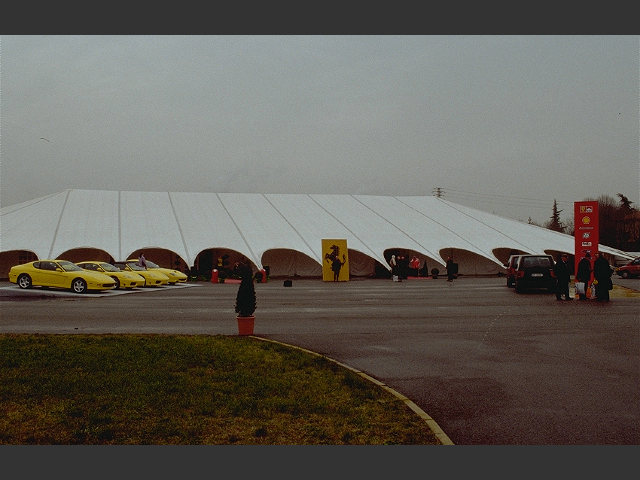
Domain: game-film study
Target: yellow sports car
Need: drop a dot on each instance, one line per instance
(175, 276)
(151, 278)
(59, 274)
(123, 279)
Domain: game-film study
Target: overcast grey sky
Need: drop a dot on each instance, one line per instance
(506, 124)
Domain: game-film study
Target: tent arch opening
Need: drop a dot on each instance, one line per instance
(221, 259)
(471, 263)
(162, 256)
(81, 254)
(14, 257)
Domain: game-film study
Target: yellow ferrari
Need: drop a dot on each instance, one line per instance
(151, 278)
(175, 276)
(59, 274)
(123, 279)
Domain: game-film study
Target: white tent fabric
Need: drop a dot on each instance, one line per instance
(283, 231)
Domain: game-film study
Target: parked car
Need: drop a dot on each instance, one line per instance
(511, 265)
(535, 272)
(631, 269)
(59, 274)
(151, 278)
(175, 276)
(122, 278)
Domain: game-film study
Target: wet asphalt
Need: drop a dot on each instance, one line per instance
(490, 366)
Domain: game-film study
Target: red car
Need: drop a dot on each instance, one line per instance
(512, 266)
(631, 269)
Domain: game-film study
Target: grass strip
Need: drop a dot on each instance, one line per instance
(189, 390)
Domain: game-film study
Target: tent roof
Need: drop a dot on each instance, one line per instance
(121, 222)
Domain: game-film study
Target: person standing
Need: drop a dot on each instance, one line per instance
(403, 266)
(563, 275)
(451, 269)
(584, 274)
(393, 263)
(425, 269)
(602, 274)
(415, 266)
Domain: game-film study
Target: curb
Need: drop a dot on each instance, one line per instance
(431, 423)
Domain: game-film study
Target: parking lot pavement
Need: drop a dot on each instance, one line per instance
(628, 283)
(489, 365)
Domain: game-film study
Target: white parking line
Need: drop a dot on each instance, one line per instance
(104, 293)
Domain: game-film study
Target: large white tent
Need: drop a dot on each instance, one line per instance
(281, 231)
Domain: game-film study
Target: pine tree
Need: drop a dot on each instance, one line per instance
(554, 223)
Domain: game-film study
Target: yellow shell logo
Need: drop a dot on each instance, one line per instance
(586, 220)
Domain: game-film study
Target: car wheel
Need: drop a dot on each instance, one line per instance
(625, 274)
(79, 285)
(24, 281)
(115, 279)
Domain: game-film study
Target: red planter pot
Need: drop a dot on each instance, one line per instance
(245, 325)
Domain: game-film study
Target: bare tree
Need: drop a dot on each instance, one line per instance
(627, 226)
(608, 218)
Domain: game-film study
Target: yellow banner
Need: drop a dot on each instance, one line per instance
(335, 265)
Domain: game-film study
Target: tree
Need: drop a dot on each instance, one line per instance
(628, 226)
(619, 222)
(611, 221)
(570, 227)
(625, 204)
(554, 222)
(608, 217)
(246, 296)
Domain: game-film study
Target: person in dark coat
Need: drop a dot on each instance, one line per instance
(584, 273)
(602, 273)
(425, 269)
(403, 266)
(563, 275)
(452, 269)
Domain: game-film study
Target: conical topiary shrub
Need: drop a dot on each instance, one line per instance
(245, 301)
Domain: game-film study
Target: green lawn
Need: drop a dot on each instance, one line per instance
(189, 390)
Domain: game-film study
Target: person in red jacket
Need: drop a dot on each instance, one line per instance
(414, 264)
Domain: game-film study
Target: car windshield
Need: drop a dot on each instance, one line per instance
(69, 267)
(135, 266)
(536, 262)
(109, 268)
(152, 265)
